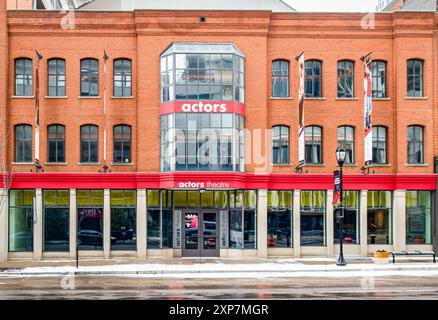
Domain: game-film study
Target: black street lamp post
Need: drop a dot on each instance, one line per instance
(340, 157)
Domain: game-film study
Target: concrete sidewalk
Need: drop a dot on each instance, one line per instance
(210, 267)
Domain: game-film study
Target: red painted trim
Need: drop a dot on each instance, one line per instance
(214, 106)
(224, 180)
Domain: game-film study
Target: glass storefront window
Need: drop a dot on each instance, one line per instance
(56, 220)
(236, 228)
(220, 199)
(379, 217)
(313, 214)
(243, 219)
(123, 220)
(250, 228)
(207, 199)
(21, 220)
(418, 217)
(160, 217)
(90, 219)
(280, 219)
(350, 200)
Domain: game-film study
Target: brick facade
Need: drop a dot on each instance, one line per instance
(262, 37)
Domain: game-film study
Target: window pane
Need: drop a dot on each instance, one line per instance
(123, 229)
(153, 198)
(20, 229)
(56, 229)
(116, 197)
(97, 197)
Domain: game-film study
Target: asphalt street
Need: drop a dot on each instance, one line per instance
(136, 287)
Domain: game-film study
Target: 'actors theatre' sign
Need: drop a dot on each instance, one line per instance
(203, 185)
(202, 107)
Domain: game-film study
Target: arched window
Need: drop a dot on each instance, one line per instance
(280, 78)
(122, 144)
(280, 145)
(415, 78)
(379, 145)
(56, 143)
(23, 77)
(313, 79)
(415, 145)
(345, 79)
(122, 78)
(89, 77)
(313, 141)
(23, 143)
(56, 78)
(89, 144)
(346, 140)
(378, 75)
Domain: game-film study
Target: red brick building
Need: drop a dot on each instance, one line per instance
(124, 97)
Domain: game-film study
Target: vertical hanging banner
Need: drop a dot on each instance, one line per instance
(337, 189)
(105, 59)
(301, 94)
(37, 107)
(368, 109)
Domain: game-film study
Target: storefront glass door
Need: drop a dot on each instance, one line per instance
(200, 233)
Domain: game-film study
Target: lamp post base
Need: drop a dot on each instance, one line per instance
(341, 261)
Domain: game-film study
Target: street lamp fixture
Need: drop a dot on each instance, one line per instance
(341, 154)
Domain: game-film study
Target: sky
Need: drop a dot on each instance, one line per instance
(333, 5)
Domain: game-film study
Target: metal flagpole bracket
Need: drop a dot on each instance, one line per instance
(299, 56)
(365, 169)
(366, 58)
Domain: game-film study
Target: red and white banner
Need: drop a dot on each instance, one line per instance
(301, 94)
(368, 109)
(337, 188)
(202, 106)
(37, 106)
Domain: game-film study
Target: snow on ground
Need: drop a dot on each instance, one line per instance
(216, 269)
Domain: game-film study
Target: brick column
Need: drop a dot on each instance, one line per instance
(38, 226)
(141, 223)
(297, 224)
(73, 216)
(106, 223)
(363, 223)
(329, 224)
(262, 224)
(399, 220)
(4, 204)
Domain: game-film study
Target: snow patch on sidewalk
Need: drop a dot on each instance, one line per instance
(195, 269)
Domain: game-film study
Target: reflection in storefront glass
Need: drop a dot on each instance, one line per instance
(56, 220)
(90, 219)
(379, 217)
(21, 220)
(279, 219)
(418, 217)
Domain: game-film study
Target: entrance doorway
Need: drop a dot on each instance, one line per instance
(200, 233)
